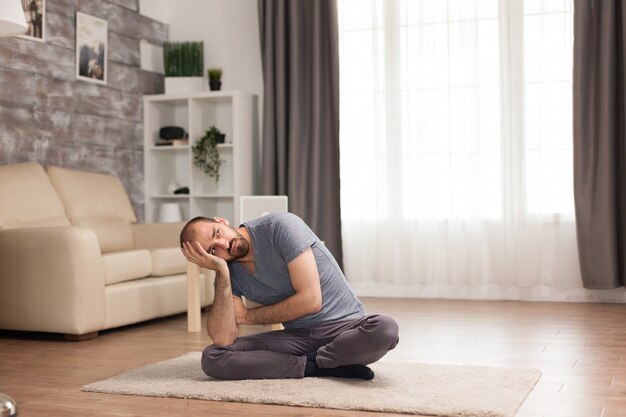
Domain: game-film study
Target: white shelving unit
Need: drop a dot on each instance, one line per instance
(232, 112)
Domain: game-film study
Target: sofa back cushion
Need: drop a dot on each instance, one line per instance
(28, 198)
(98, 202)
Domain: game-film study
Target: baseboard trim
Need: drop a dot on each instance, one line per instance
(488, 292)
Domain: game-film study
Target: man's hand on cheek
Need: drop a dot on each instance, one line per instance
(195, 253)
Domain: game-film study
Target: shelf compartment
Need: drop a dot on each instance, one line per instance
(156, 202)
(203, 184)
(165, 167)
(165, 112)
(213, 206)
(211, 111)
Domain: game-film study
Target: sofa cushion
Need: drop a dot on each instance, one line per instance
(126, 266)
(28, 198)
(97, 201)
(168, 261)
(113, 234)
(144, 299)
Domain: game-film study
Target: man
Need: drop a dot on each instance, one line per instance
(278, 262)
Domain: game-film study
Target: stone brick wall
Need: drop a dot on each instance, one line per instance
(48, 116)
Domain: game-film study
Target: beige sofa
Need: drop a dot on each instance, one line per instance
(74, 261)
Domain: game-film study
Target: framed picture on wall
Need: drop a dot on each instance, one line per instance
(35, 14)
(91, 48)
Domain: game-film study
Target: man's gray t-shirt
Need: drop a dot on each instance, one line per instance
(277, 239)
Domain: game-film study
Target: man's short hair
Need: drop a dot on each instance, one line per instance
(188, 233)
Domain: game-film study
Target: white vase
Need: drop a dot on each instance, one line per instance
(169, 213)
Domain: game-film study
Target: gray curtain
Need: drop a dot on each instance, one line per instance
(599, 136)
(299, 50)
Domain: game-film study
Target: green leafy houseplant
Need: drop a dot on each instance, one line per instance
(215, 74)
(206, 155)
(183, 59)
(215, 77)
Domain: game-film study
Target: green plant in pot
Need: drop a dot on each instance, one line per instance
(215, 78)
(205, 153)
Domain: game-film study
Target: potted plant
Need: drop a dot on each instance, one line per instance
(205, 153)
(183, 63)
(215, 78)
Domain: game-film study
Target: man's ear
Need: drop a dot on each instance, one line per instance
(221, 220)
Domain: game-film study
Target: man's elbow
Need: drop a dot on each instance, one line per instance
(221, 339)
(222, 342)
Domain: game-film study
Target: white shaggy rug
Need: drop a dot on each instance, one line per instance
(412, 388)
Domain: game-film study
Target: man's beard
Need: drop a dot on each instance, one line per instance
(239, 246)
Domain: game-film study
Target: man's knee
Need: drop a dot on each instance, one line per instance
(386, 331)
(211, 363)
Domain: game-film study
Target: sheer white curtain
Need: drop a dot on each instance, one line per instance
(456, 148)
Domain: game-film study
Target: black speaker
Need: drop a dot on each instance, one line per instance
(172, 132)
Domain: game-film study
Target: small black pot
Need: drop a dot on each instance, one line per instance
(215, 85)
(221, 138)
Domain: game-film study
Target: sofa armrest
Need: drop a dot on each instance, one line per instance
(51, 280)
(157, 235)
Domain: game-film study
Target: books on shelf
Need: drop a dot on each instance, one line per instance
(172, 142)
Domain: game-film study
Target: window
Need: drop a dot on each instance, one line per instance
(456, 147)
(455, 109)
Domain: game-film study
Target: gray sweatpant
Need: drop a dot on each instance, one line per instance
(279, 354)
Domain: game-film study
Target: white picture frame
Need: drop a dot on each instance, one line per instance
(35, 15)
(91, 48)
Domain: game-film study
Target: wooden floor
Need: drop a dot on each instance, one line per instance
(581, 349)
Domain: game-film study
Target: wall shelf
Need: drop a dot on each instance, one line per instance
(232, 112)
